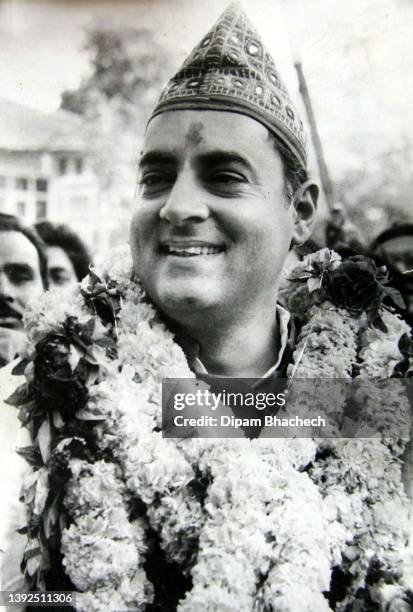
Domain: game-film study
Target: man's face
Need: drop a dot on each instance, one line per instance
(59, 268)
(211, 226)
(399, 252)
(20, 277)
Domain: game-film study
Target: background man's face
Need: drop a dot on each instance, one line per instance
(20, 277)
(60, 269)
(211, 227)
(399, 252)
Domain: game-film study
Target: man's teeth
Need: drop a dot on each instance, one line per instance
(193, 250)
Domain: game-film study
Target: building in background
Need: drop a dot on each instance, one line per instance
(46, 172)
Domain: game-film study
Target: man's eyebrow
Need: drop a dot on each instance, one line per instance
(157, 157)
(219, 156)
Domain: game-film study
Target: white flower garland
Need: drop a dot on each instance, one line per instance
(278, 514)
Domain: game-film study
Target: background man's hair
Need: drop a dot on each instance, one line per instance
(10, 223)
(60, 235)
(294, 173)
(392, 233)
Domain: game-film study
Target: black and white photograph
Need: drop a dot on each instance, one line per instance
(206, 305)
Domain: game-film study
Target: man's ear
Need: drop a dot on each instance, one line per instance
(305, 208)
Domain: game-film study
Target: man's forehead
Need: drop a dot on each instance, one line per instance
(57, 256)
(194, 133)
(399, 244)
(194, 128)
(15, 246)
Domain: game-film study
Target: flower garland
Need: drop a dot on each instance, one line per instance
(114, 509)
(359, 478)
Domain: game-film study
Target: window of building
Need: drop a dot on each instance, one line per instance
(41, 185)
(62, 166)
(2, 182)
(21, 209)
(22, 183)
(79, 165)
(41, 209)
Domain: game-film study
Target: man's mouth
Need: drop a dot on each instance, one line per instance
(11, 322)
(190, 250)
(9, 317)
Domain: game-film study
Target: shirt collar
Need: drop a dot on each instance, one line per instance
(283, 319)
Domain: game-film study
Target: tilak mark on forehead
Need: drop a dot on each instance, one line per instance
(194, 134)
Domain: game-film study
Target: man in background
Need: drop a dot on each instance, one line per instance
(394, 248)
(67, 256)
(23, 276)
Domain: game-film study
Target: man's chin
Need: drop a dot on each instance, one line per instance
(184, 300)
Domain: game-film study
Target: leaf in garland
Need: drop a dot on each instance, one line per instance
(42, 491)
(74, 356)
(88, 329)
(382, 275)
(31, 454)
(43, 440)
(395, 296)
(378, 322)
(106, 342)
(34, 524)
(29, 371)
(26, 412)
(22, 395)
(86, 351)
(28, 495)
(62, 521)
(92, 376)
(94, 276)
(313, 284)
(58, 422)
(80, 344)
(88, 415)
(51, 517)
(406, 345)
(32, 558)
(86, 372)
(29, 486)
(22, 530)
(90, 358)
(64, 443)
(19, 369)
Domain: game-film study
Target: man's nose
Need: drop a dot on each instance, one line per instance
(6, 288)
(185, 202)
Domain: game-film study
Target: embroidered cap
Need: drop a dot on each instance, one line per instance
(231, 70)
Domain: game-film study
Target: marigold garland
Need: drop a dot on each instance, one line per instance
(267, 524)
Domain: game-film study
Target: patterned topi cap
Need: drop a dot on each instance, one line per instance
(231, 70)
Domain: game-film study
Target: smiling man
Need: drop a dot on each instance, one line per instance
(223, 193)
(23, 275)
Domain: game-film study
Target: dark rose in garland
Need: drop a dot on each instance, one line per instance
(355, 285)
(60, 387)
(358, 286)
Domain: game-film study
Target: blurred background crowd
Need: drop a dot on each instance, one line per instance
(79, 79)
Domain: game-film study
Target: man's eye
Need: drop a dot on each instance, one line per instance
(227, 178)
(153, 179)
(19, 278)
(59, 278)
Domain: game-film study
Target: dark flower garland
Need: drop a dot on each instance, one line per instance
(48, 404)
